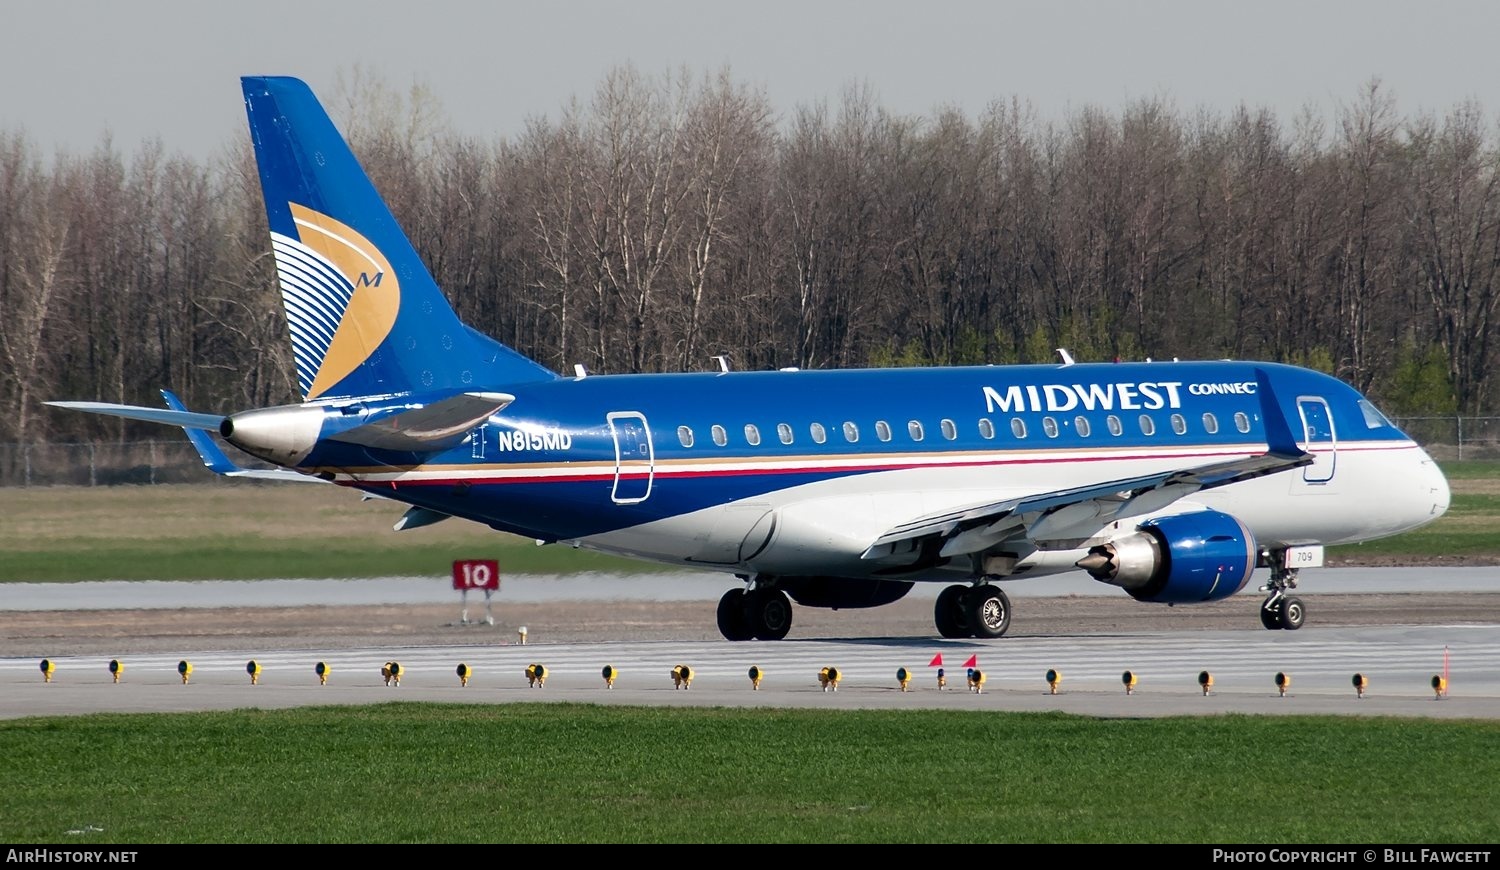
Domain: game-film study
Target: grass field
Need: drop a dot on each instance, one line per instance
(253, 531)
(571, 773)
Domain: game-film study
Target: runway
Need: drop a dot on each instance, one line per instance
(1397, 661)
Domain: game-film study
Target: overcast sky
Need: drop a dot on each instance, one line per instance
(70, 71)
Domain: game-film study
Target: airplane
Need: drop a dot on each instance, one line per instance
(1174, 481)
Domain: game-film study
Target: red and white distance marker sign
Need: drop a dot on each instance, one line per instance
(476, 574)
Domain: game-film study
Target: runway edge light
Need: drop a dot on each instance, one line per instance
(609, 673)
(903, 676)
(321, 669)
(463, 672)
(1439, 686)
(252, 668)
(976, 680)
(942, 679)
(682, 677)
(536, 675)
(47, 668)
(185, 669)
(1360, 684)
(1283, 682)
(1054, 677)
(829, 678)
(1129, 679)
(116, 668)
(391, 672)
(756, 675)
(1205, 681)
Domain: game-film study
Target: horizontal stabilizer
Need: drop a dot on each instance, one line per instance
(185, 419)
(432, 427)
(217, 461)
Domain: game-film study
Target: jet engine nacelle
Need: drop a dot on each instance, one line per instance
(1178, 559)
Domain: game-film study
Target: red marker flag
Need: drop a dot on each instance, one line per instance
(973, 662)
(937, 661)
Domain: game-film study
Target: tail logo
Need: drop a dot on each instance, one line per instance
(341, 298)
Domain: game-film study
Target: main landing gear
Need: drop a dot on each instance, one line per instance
(1281, 610)
(760, 612)
(981, 610)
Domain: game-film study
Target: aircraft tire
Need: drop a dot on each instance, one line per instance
(768, 614)
(1293, 614)
(1270, 615)
(989, 611)
(950, 615)
(732, 623)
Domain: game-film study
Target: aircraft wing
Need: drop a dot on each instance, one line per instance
(1077, 513)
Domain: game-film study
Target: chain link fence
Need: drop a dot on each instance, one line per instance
(148, 462)
(1454, 437)
(105, 464)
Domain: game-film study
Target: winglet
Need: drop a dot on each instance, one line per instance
(1279, 439)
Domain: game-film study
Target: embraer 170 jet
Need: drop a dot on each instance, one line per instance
(1171, 480)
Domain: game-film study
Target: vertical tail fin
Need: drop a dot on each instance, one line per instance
(365, 316)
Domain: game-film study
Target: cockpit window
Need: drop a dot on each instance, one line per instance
(1373, 418)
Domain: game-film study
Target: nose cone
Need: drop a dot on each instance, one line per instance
(1437, 486)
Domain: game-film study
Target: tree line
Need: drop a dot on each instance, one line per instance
(670, 219)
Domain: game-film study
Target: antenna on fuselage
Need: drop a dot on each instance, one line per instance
(723, 364)
(578, 371)
(1067, 358)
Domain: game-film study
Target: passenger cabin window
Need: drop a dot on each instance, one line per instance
(784, 432)
(720, 438)
(851, 432)
(882, 430)
(950, 431)
(1081, 425)
(1210, 423)
(1148, 425)
(1049, 426)
(1018, 427)
(986, 428)
(752, 434)
(1112, 423)
(819, 434)
(685, 435)
(1179, 425)
(1241, 422)
(914, 429)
